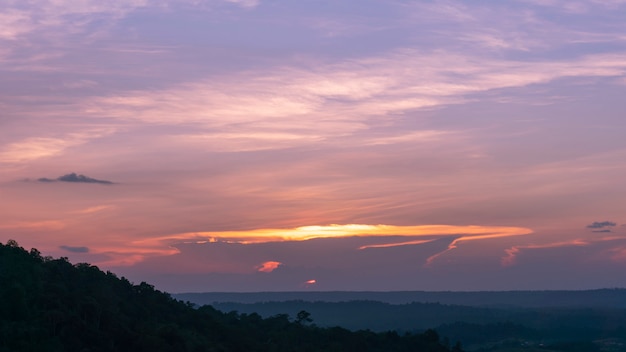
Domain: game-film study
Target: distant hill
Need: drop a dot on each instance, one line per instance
(570, 321)
(377, 316)
(52, 305)
(601, 298)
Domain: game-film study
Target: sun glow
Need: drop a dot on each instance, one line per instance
(385, 236)
(305, 233)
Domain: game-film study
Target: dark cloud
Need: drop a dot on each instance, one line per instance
(75, 249)
(601, 225)
(43, 179)
(601, 231)
(73, 177)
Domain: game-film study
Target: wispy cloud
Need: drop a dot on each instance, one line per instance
(382, 236)
(245, 3)
(28, 15)
(95, 209)
(511, 253)
(477, 237)
(618, 254)
(36, 225)
(337, 231)
(577, 6)
(13, 23)
(75, 249)
(395, 244)
(608, 247)
(33, 148)
(289, 107)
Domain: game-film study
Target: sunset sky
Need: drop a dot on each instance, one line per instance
(270, 145)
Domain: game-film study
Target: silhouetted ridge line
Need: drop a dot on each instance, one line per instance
(50, 304)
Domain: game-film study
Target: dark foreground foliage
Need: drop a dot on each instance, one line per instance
(52, 305)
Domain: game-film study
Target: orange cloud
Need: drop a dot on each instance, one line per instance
(387, 245)
(511, 253)
(268, 267)
(350, 230)
(512, 231)
(125, 254)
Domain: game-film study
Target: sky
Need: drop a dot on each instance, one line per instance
(275, 145)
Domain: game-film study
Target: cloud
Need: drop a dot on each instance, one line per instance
(577, 7)
(14, 23)
(355, 238)
(601, 225)
(568, 6)
(36, 225)
(396, 244)
(288, 102)
(74, 178)
(81, 179)
(75, 249)
(34, 148)
(245, 3)
(23, 17)
(420, 234)
(617, 251)
(80, 84)
(268, 267)
(511, 253)
(305, 233)
(95, 209)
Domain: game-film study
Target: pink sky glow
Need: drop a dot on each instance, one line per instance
(252, 145)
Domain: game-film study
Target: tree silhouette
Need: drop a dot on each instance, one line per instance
(53, 305)
(303, 317)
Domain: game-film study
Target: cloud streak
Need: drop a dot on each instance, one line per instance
(358, 230)
(511, 253)
(298, 102)
(601, 225)
(35, 225)
(34, 148)
(75, 249)
(379, 237)
(75, 178)
(94, 209)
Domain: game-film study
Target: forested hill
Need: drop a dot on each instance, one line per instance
(52, 305)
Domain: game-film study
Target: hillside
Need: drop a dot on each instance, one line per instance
(490, 329)
(50, 304)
